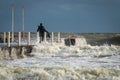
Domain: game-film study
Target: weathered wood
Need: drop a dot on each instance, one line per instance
(52, 39)
(45, 36)
(8, 39)
(23, 35)
(19, 39)
(12, 36)
(12, 22)
(69, 42)
(38, 38)
(28, 38)
(58, 37)
(4, 38)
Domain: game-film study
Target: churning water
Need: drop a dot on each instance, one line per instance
(59, 62)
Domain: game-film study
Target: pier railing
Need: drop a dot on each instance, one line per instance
(8, 38)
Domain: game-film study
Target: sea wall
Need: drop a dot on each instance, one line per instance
(14, 52)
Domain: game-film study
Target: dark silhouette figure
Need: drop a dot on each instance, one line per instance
(41, 29)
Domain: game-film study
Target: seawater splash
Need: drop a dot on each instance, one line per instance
(56, 61)
(82, 48)
(11, 53)
(58, 73)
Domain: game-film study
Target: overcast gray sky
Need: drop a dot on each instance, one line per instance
(83, 16)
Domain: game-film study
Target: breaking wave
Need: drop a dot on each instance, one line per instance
(58, 73)
(81, 49)
(56, 61)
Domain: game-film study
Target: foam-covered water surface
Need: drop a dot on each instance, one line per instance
(56, 61)
(112, 62)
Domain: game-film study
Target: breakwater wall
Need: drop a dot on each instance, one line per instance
(15, 52)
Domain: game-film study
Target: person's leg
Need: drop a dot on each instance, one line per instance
(42, 37)
(39, 37)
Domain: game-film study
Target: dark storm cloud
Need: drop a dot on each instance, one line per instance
(63, 15)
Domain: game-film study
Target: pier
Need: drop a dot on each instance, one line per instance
(21, 47)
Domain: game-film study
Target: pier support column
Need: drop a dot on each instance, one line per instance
(23, 34)
(12, 36)
(28, 39)
(52, 39)
(58, 37)
(12, 22)
(38, 39)
(4, 38)
(44, 36)
(19, 39)
(8, 39)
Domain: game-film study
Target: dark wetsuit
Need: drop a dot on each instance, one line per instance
(41, 31)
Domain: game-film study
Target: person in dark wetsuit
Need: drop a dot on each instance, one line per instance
(41, 29)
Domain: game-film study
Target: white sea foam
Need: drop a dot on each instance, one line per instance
(56, 49)
(58, 73)
(56, 61)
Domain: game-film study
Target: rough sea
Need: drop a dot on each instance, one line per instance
(56, 61)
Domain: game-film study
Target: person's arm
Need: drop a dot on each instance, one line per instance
(38, 29)
(46, 31)
(48, 34)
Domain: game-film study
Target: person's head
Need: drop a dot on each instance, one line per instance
(40, 24)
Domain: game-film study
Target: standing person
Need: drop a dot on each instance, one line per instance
(41, 29)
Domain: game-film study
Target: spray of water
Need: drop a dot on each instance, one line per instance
(81, 48)
(57, 61)
(58, 73)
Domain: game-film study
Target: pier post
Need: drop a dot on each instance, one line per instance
(28, 39)
(44, 36)
(38, 39)
(58, 37)
(19, 39)
(52, 39)
(69, 37)
(23, 34)
(12, 22)
(12, 36)
(8, 39)
(4, 38)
